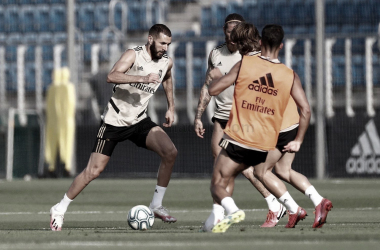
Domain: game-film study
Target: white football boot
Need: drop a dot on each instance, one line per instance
(56, 219)
(163, 214)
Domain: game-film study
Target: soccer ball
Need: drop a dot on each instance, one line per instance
(140, 218)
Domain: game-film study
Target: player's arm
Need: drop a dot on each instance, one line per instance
(204, 100)
(167, 83)
(300, 98)
(117, 74)
(218, 85)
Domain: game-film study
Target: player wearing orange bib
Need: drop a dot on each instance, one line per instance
(262, 92)
(283, 169)
(224, 58)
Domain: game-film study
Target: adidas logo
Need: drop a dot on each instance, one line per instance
(365, 155)
(223, 143)
(219, 64)
(264, 86)
(156, 190)
(140, 68)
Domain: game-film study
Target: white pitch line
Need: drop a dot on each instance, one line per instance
(102, 244)
(177, 211)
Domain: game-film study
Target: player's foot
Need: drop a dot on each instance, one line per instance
(295, 218)
(224, 224)
(163, 214)
(208, 228)
(56, 219)
(274, 217)
(321, 212)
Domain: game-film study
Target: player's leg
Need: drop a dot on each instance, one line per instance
(224, 170)
(217, 135)
(276, 209)
(264, 173)
(95, 166)
(284, 171)
(158, 141)
(101, 152)
(217, 212)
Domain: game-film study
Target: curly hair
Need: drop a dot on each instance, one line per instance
(247, 37)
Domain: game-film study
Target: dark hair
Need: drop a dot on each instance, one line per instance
(233, 18)
(272, 36)
(247, 37)
(157, 29)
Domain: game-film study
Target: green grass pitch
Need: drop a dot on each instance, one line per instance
(97, 217)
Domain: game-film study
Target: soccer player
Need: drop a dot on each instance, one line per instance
(262, 92)
(224, 58)
(136, 77)
(283, 161)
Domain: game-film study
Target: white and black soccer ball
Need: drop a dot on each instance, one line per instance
(140, 217)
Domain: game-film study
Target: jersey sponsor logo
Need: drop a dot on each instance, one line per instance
(365, 155)
(143, 87)
(264, 85)
(258, 106)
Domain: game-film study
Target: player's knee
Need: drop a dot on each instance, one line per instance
(93, 172)
(170, 154)
(259, 174)
(248, 173)
(280, 174)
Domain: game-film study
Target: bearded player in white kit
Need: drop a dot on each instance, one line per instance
(136, 77)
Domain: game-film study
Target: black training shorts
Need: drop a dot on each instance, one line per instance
(242, 155)
(285, 137)
(108, 136)
(222, 122)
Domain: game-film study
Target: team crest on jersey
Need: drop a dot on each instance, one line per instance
(138, 48)
(219, 64)
(264, 86)
(140, 68)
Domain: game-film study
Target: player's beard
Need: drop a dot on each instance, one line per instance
(153, 51)
(231, 47)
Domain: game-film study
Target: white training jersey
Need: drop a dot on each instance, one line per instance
(222, 58)
(129, 102)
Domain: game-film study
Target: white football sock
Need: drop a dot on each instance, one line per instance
(273, 204)
(158, 196)
(217, 214)
(289, 203)
(229, 205)
(63, 204)
(314, 196)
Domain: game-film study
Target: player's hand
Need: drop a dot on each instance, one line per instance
(151, 78)
(215, 73)
(292, 147)
(169, 117)
(198, 127)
